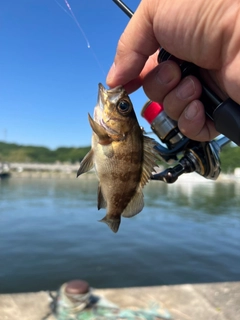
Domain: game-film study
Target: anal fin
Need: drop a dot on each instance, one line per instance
(135, 205)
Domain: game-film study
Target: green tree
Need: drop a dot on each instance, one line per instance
(230, 158)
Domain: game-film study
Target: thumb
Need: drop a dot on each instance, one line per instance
(135, 46)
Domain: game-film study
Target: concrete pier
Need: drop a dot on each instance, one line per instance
(212, 301)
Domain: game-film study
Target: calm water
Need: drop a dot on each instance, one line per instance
(49, 234)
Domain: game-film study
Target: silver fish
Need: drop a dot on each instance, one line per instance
(123, 157)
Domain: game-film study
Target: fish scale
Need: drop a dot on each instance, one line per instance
(123, 157)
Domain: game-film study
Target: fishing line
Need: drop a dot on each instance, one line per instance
(71, 14)
(63, 8)
(77, 23)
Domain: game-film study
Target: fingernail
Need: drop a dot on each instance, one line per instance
(191, 111)
(166, 73)
(111, 72)
(186, 89)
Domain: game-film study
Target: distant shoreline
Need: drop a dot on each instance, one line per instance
(186, 178)
(50, 174)
(69, 171)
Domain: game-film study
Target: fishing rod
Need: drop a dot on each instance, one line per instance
(201, 157)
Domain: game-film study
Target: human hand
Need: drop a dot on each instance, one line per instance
(203, 32)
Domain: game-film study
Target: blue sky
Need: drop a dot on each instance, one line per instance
(48, 75)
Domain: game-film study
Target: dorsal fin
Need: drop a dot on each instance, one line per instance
(150, 157)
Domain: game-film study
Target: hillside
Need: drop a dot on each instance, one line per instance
(11, 152)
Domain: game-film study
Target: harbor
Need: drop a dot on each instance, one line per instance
(181, 261)
(212, 301)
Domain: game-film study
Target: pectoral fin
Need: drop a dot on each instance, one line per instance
(103, 137)
(86, 164)
(135, 205)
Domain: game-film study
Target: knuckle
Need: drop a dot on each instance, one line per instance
(172, 108)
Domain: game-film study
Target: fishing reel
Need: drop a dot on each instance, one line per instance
(190, 155)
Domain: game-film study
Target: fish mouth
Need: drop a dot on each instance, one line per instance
(111, 94)
(98, 110)
(101, 95)
(107, 128)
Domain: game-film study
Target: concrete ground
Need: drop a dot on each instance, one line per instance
(217, 301)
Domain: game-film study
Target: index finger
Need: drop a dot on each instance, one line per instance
(135, 46)
(137, 82)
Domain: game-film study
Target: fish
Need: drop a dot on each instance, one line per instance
(122, 156)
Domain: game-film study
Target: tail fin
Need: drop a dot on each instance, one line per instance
(112, 223)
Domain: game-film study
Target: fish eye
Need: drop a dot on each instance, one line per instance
(124, 106)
